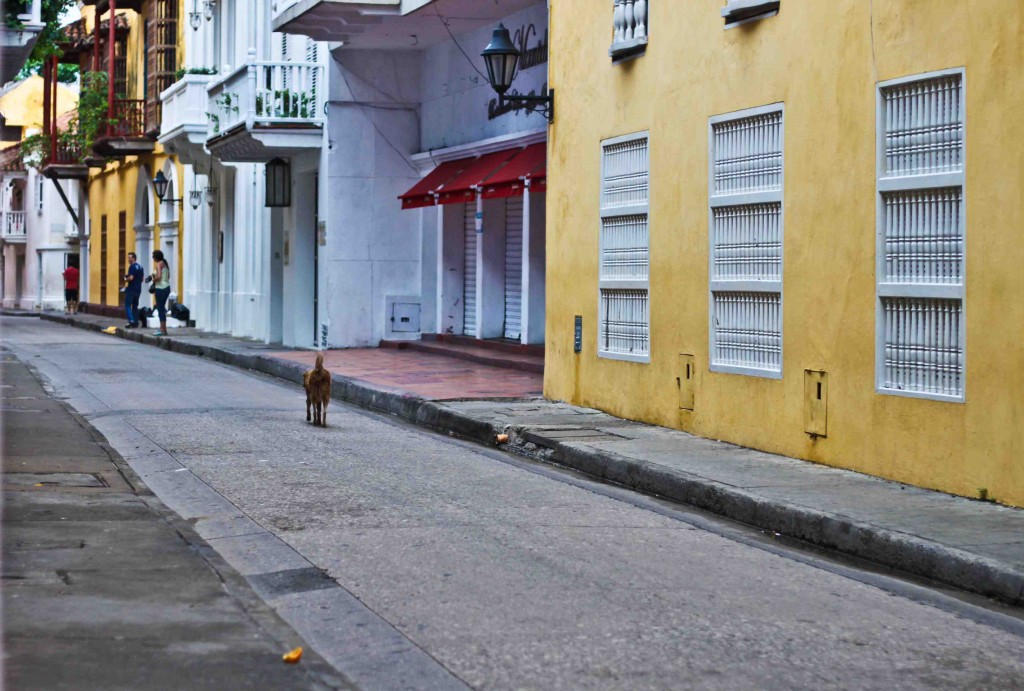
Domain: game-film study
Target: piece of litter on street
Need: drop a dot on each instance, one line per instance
(110, 330)
(293, 656)
(179, 470)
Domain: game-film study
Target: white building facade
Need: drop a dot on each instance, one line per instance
(247, 273)
(38, 235)
(431, 196)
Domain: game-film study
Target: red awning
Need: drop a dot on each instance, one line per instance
(462, 188)
(507, 181)
(422, 193)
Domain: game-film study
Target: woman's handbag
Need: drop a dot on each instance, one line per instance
(152, 289)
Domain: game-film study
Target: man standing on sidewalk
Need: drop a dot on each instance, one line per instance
(133, 290)
(70, 289)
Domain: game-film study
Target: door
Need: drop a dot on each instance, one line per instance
(514, 268)
(469, 273)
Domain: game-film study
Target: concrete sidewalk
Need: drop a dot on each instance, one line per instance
(104, 586)
(972, 545)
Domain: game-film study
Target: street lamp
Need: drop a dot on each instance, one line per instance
(160, 182)
(502, 58)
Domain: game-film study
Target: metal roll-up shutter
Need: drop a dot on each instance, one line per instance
(513, 267)
(469, 273)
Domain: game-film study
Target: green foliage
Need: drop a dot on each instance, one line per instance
(285, 103)
(193, 70)
(66, 74)
(88, 123)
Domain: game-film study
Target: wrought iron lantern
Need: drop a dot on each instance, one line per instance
(160, 183)
(279, 183)
(502, 59)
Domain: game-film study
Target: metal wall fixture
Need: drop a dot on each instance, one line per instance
(160, 183)
(502, 59)
(279, 183)
(195, 18)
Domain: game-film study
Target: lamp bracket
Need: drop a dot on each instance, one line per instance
(534, 104)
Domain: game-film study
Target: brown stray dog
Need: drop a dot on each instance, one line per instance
(318, 391)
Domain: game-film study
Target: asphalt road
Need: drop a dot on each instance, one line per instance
(451, 565)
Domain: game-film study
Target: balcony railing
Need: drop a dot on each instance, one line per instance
(64, 154)
(14, 225)
(184, 104)
(128, 118)
(266, 93)
(629, 27)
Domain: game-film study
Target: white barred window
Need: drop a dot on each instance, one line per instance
(745, 217)
(624, 312)
(920, 334)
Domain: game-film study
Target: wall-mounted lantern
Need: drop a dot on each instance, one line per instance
(502, 59)
(195, 18)
(195, 198)
(279, 183)
(160, 183)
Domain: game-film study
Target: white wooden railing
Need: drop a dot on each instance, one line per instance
(266, 93)
(14, 225)
(185, 103)
(629, 24)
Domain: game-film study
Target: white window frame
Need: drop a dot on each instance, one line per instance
(624, 284)
(40, 187)
(745, 199)
(920, 182)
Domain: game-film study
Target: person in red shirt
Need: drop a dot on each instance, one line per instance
(71, 289)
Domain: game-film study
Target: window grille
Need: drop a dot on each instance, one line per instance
(40, 192)
(624, 272)
(745, 233)
(919, 274)
(629, 28)
(625, 322)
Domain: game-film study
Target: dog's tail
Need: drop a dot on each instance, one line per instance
(319, 362)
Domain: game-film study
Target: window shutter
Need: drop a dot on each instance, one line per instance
(919, 272)
(161, 56)
(624, 310)
(745, 232)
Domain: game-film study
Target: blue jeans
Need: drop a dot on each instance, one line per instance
(131, 305)
(161, 296)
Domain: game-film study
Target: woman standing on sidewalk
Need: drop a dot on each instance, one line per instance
(161, 288)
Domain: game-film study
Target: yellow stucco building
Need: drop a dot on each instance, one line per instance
(124, 213)
(796, 226)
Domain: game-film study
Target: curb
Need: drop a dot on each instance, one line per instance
(889, 548)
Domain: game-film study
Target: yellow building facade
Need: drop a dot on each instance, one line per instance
(124, 213)
(873, 341)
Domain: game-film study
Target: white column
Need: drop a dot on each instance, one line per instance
(524, 271)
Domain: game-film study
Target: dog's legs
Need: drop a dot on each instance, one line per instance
(308, 402)
(323, 415)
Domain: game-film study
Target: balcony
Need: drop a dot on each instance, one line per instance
(16, 43)
(126, 135)
(264, 110)
(14, 226)
(332, 20)
(65, 163)
(183, 128)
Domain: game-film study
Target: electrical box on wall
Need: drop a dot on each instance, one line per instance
(687, 381)
(816, 403)
(403, 317)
